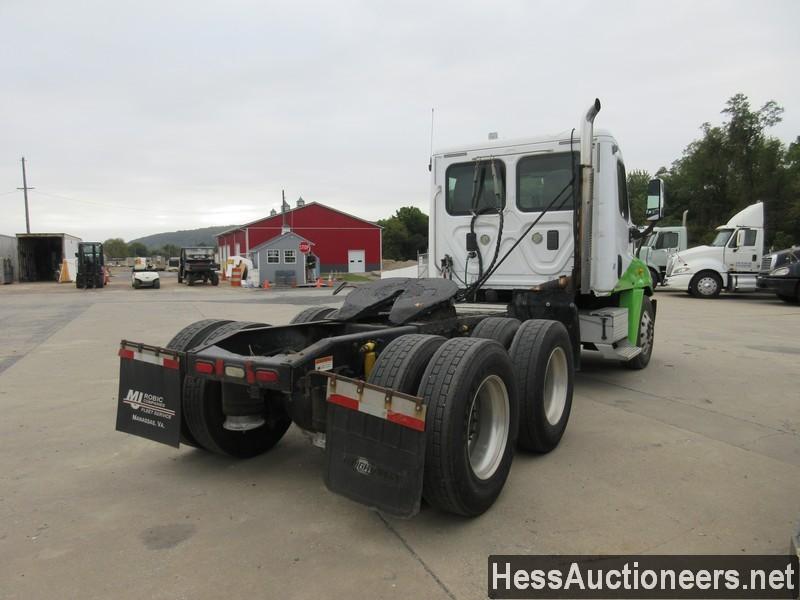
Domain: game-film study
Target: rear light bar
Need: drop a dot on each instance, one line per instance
(205, 368)
(260, 375)
(266, 375)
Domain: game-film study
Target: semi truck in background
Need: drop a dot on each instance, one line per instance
(424, 387)
(657, 247)
(730, 263)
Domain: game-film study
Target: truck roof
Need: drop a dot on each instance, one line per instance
(558, 138)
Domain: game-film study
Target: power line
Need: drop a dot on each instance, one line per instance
(103, 204)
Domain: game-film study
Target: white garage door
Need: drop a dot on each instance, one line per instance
(355, 261)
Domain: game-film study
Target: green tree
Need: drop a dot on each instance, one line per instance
(167, 250)
(115, 248)
(731, 166)
(637, 192)
(405, 234)
(138, 249)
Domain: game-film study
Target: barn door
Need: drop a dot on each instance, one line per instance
(355, 261)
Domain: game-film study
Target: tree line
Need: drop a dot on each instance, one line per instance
(119, 248)
(730, 166)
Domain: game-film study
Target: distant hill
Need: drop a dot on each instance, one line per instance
(205, 236)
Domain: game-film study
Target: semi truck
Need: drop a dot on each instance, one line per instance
(731, 262)
(425, 387)
(659, 245)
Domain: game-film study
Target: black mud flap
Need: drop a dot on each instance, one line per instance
(149, 402)
(375, 446)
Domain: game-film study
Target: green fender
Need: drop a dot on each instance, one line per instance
(631, 288)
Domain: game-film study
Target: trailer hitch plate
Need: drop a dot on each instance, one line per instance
(375, 445)
(149, 400)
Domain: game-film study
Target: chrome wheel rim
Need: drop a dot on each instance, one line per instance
(488, 426)
(707, 286)
(646, 333)
(556, 383)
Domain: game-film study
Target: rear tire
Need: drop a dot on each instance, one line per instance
(214, 278)
(137, 284)
(543, 364)
(311, 314)
(471, 425)
(646, 339)
(500, 329)
(401, 364)
(186, 339)
(226, 329)
(202, 406)
(706, 284)
(157, 284)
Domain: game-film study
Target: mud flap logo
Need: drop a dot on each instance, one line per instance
(362, 466)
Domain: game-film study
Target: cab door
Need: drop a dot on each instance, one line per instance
(741, 253)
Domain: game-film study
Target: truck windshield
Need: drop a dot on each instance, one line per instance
(722, 237)
(199, 252)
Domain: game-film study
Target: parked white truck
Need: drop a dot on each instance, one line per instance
(730, 263)
(659, 246)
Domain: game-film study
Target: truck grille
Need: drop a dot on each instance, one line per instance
(766, 262)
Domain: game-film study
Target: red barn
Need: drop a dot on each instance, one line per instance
(342, 242)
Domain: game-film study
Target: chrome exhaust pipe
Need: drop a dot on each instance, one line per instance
(587, 191)
(587, 133)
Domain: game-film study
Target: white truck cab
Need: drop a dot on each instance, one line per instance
(659, 246)
(527, 174)
(730, 263)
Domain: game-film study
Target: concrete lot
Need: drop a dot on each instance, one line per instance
(699, 453)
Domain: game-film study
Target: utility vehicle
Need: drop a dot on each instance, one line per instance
(197, 264)
(657, 247)
(424, 388)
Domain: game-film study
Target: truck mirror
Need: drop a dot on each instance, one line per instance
(740, 235)
(654, 210)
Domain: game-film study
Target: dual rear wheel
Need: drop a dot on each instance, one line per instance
(483, 400)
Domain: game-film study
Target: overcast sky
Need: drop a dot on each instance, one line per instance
(141, 117)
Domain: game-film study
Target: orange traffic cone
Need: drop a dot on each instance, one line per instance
(266, 284)
(330, 279)
(319, 282)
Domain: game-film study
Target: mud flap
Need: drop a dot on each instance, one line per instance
(149, 401)
(375, 446)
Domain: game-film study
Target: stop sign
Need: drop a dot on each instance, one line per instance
(305, 247)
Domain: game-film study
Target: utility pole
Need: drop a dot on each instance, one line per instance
(25, 189)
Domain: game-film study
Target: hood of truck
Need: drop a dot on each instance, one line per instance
(700, 252)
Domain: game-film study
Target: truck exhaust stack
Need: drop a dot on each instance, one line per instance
(587, 190)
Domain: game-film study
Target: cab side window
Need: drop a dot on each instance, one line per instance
(667, 239)
(622, 188)
(749, 238)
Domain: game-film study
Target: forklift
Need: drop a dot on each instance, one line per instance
(91, 266)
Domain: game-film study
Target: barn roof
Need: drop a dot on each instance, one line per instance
(272, 240)
(297, 208)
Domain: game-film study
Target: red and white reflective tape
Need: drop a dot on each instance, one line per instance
(155, 359)
(387, 405)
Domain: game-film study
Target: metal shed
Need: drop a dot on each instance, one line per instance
(41, 254)
(281, 261)
(9, 265)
